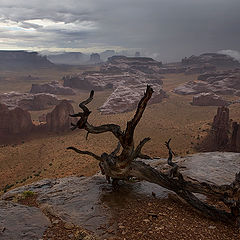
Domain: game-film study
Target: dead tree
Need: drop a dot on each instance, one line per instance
(126, 164)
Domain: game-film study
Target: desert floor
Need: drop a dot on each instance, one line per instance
(41, 157)
(46, 156)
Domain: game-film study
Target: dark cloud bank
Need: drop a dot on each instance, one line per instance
(169, 29)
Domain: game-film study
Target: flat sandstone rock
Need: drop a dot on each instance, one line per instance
(21, 222)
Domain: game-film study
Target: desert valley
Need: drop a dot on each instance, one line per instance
(195, 102)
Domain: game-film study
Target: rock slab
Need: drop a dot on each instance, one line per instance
(21, 222)
(90, 202)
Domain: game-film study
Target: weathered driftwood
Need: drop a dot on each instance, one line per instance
(124, 166)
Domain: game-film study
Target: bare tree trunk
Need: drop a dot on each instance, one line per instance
(124, 166)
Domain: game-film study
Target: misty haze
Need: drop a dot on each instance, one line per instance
(119, 119)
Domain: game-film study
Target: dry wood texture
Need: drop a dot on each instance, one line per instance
(126, 165)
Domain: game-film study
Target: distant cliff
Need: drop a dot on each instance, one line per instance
(22, 59)
(69, 58)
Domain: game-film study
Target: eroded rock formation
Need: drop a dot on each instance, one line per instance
(215, 59)
(224, 135)
(16, 124)
(95, 58)
(38, 102)
(125, 98)
(208, 99)
(15, 121)
(221, 127)
(58, 120)
(23, 60)
(235, 138)
(221, 82)
(127, 76)
(53, 87)
(27, 101)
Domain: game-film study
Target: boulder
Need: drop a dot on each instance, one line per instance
(208, 99)
(53, 87)
(59, 120)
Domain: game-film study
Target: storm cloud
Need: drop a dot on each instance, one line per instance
(167, 29)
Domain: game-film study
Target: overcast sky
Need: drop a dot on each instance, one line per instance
(170, 29)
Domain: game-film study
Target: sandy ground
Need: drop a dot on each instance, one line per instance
(146, 219)
(46, 157)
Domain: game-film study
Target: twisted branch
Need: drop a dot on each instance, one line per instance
(86, 152)
(123, 166)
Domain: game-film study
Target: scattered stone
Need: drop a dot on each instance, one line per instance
(212, 227)
(48, 209)
(68, 225)
(110, 230)
(146, 220)
(55, 222)
(152, 215)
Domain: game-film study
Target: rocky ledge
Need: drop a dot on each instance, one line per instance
(221, 82)
(209, 99)
(91, 202)
(127, 77)
(53, 87)
(29, 102)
